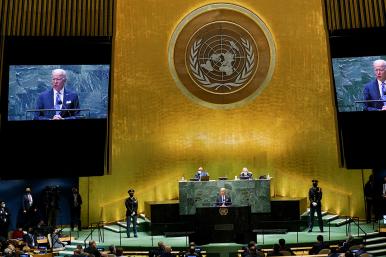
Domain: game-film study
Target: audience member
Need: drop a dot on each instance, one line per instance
(345, 246)
(119, 252)
(167, 252)
(275, 251)
(29, 238)
(283, 246)
(319, 245)
(158, 251)
(112, 251)
(92, 249)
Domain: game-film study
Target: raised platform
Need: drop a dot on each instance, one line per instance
(285, 214)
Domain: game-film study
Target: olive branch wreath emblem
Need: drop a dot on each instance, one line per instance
(204, 80)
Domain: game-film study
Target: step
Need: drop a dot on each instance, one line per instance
(377, 252)
(330, 217)
(375, 246)
(307, 213)
(369, 235)
(375, 239)
(339, 222)
(115, 228)
(65, 252)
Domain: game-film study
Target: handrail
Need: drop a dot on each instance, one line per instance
(98, 226)
(354, 220)
(298, 222)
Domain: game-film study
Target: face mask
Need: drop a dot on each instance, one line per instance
(315, 184)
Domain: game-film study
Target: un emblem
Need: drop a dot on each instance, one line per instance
(221, 55)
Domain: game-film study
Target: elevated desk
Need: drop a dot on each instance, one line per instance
(203, 194)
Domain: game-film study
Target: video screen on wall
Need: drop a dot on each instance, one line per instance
(356, 84)
(31, 94)
(54, 106)
(358, 70)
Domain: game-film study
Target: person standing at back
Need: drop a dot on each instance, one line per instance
(315, 196)
(131, 204)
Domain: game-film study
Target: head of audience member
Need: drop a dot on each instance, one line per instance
(282, 242)
(192, 249)
(119, 251)
(59, 78)
(131, 192)
(26, 249)
(348, 254)
(112, 249)
(319, 238)
(92, 244)
(168, 249)
(161, 245)
(251, 243)
(8, 252)
(276, 248)
(315, 183)
(77, 252)
(379, 69)
(79, 247)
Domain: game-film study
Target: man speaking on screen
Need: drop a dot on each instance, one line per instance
(376, 89)
(61, 102)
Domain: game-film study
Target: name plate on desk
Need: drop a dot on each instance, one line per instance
(197, 194)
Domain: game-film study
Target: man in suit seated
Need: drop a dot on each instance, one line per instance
(223, 199)
(246, 174)
(58, 97)
(200, 173)
(319, 245)
(376, 89)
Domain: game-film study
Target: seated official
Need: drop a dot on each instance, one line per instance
(223, 199)
(200, 173)
(245, 173)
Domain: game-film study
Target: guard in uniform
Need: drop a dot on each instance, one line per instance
(315, 196)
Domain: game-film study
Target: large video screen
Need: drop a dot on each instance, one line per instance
(31, 93)
(356, 84)
(55, 78)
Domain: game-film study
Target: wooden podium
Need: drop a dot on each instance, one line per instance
(222, 224)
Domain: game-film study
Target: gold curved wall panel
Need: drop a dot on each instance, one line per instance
(159, 135)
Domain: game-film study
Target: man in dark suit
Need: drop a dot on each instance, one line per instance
(131, 204)
(376, 89)
(315, 195)
(75, 205)
(223, 199)
(58, 97)
(319, 245)
(200, 173)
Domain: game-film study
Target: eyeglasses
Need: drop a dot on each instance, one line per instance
(57, 79)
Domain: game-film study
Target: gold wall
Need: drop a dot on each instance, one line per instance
(159, 135)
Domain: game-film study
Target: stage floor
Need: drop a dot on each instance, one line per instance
(145, 241)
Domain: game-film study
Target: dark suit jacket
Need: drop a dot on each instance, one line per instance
(26, 203)
(228, 200)
(371, 92)
(46, 101)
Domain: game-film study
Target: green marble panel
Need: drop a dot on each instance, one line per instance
(197, 194)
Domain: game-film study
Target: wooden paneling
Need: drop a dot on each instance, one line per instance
(354, 14)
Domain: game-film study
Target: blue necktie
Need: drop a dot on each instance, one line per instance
(58, 103)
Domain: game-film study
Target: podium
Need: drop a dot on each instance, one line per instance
(222, 225)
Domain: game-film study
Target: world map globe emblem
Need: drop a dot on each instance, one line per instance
(221, 55)
(222, 58)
